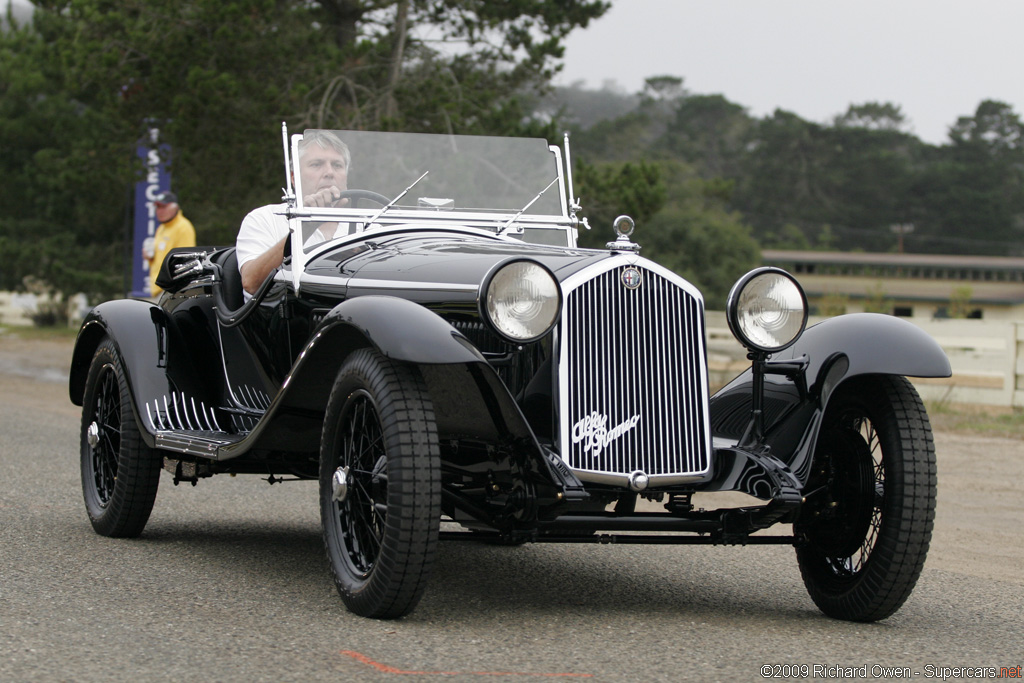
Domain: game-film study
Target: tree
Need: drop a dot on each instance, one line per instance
(218, 78)
(960, 302)
(710, 247)
(711, 133)
(833, 304)
(787, 237)
(876, 300)
(667, 89)
(995, 127)
(681, 220)
(853, 181)
(974, 187)
(581, 107)
(60, 200)
(784, 179)
(873, 116)
(608, 190)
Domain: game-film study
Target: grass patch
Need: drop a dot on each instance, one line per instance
(31, 332)
(977, 419)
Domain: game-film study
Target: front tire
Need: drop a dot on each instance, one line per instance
(871, 500)
(120, 474)
(380, 485)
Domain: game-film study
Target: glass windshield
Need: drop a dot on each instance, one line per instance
(363, 171)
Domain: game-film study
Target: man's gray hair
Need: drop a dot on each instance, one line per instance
(326, 139)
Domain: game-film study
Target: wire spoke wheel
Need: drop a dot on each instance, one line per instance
(105, 430)
(120, 474)
(362, 513)
(380, 491)
(871, 506)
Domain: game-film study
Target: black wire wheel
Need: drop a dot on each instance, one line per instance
(120, 474)
(380, 485)
(870, 504)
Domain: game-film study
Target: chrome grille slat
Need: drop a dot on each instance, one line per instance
(635, 359)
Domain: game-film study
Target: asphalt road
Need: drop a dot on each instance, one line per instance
(229, 583)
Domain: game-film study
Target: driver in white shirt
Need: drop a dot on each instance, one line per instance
(324, 163)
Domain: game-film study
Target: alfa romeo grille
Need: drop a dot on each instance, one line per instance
(634, 383)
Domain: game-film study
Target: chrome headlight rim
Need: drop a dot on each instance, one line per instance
(483, 299)
(733, 311)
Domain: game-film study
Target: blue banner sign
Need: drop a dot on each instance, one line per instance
(157, 179)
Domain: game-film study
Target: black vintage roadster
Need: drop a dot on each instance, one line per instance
(451, 365)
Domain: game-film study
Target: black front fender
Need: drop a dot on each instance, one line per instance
(397, 328)
(831, 353)
(402, 330)
(469, 398)
(872, 344)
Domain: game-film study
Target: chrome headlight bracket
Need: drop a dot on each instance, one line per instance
(767, 312)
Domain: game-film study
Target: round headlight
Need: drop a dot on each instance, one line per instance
(767, 310)
(522, 301)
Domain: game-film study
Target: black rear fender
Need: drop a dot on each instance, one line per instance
(140, 331)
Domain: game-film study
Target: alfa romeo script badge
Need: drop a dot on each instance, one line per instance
(631, 278)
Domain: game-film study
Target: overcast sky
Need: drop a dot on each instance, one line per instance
(937, 59)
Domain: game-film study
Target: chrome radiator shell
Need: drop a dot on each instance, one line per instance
(633, 386)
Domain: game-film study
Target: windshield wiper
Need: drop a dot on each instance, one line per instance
(392, 202)
(528, 205)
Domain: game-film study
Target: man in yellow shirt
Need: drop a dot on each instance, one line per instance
(175, 231)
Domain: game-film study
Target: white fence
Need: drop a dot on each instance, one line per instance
(987, 359)
(19, 308)
(987, 356)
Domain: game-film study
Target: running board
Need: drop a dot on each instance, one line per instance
(203, 444)
(638, 539)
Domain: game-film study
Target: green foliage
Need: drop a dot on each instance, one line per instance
(218, 78)
(873, 116)
(788, 237)
(877, 301)
(977, 419)
(833, 304)
(681, 219)
(608, 190)
(710, 133)
(580, 107)
(806, 185)
(76, 93)
(960, 302)
(709, 247)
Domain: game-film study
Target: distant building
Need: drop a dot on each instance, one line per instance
(908, 285)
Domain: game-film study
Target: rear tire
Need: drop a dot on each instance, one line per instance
(380, 485)
(871, 506)
(120, 474)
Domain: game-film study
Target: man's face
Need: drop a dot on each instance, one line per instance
(165, 212)
(321, 168)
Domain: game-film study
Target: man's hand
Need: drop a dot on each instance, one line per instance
(327, 197)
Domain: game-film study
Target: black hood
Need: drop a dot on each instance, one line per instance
(444, 258)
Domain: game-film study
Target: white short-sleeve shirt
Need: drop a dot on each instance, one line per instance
(261, 229)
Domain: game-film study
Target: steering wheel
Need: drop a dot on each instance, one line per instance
(356, 195)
